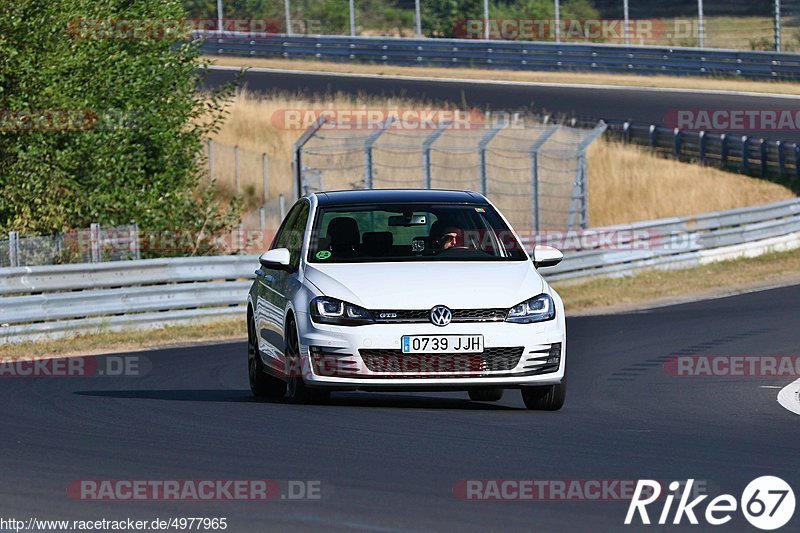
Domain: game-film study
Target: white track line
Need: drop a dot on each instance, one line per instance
(789, 397)
(516, 83)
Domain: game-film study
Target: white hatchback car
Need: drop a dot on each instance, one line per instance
(404, 290)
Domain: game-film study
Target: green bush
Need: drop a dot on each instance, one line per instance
(135, 155)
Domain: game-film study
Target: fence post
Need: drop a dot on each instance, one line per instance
(13, 248)
(701, 145)
(262, 216)
(94, 239)
(369, 175)
(282, 206)
(764, 158)
(701, 27)
(482, 145)
(534, 151)
(134, 240)
(297, 160)
(677, 142)
(777, 25)
(426, 152)
(211, 159)
(265, 175)
(236, 169)
(745, 154)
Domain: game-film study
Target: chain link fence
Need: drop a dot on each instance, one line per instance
(534, 172)
(752, 25)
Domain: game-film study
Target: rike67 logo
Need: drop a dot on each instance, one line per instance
(767, 503)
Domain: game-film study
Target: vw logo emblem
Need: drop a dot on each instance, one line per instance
(441, 315)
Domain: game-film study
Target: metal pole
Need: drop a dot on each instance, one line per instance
(557, 22)
(94, 235)
(13, 248)
(265, 167)
(426, 153)
(626, 27)
(486, 19)
(417, 18)
(777, 25)
(262, 215)
(352, 18)
(287, 15)
(482, 146)
(236, 169)
(282, 206)
(369, 174)
(219, 15)
(701, 27)
(211, 159)
(535, 147)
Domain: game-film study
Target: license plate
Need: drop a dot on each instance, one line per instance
(443, 344)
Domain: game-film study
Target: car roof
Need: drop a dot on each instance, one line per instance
(377, 196)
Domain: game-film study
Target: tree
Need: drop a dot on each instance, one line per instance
(129, 146)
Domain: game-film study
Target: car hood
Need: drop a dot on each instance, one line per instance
(459, 285)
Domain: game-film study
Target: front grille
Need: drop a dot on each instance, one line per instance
(404, 316)
(400, 365)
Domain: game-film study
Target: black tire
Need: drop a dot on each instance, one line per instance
(545, 398)
(262, 384)
(486, 395)
(296, 389)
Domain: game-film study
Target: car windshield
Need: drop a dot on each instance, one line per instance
(411, 232)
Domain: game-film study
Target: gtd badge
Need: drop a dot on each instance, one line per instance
(441, 315)
(767, 503)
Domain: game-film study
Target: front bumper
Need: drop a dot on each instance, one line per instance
(350, 354)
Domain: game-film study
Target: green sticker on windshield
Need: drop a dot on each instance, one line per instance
(323, 254)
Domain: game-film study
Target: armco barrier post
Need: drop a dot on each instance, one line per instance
(723, 149)
(797, 162)
(781, 158)
(701, 146)
(764, 158)
(745, 153)
(677, 143)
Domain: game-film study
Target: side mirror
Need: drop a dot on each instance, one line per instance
(277, 259)
(546, 256)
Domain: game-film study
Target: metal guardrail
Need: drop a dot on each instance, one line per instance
(746, 154)
(513, 55)
(55, 301)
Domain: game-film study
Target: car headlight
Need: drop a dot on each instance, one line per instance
(326, 310)
(538, 309)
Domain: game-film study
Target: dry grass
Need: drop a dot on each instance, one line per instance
(626, 183)
(582, 78)
(127, 341)
(629, 184)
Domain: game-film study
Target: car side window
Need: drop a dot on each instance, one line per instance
(282, 237)
(296, 234)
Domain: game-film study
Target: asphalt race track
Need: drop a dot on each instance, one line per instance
(623, 103)
(389, 462)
